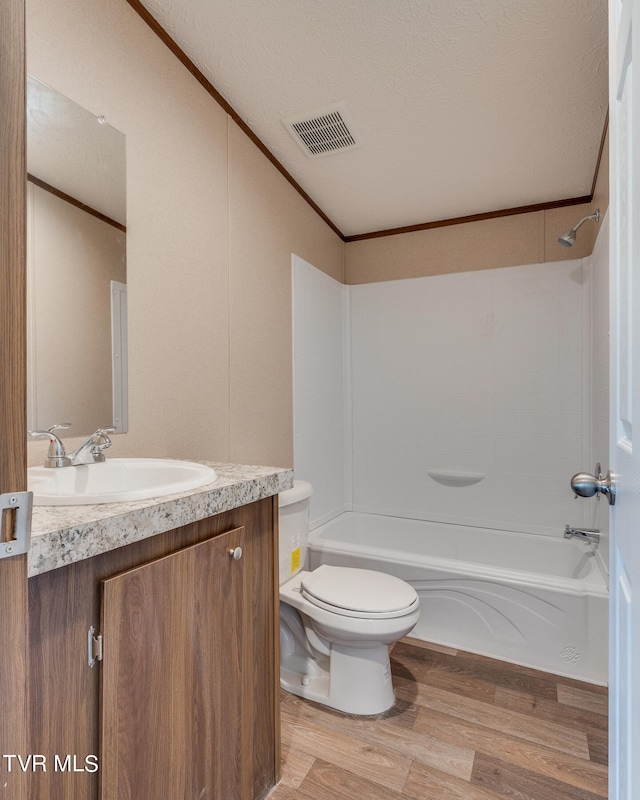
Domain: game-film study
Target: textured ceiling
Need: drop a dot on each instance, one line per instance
(464, 106)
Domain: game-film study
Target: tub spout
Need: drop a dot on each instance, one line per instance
(584, 534)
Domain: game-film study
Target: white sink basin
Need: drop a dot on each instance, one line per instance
(116, 480)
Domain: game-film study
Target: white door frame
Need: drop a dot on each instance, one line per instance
(624, 443)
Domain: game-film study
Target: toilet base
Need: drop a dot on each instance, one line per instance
(352, 679)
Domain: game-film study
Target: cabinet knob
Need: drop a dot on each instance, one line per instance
(235, 553)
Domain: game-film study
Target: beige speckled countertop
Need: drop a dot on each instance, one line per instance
(61, 535)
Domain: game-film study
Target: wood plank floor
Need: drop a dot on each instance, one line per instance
(464, 727)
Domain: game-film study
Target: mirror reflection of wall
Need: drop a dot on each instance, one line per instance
(76, 262)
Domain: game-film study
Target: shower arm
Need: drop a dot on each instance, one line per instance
(595, 216)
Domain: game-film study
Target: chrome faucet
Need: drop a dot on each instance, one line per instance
(91, 451)
(57, 456)
(584, 534)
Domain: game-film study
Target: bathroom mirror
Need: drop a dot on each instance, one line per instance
(76, 266)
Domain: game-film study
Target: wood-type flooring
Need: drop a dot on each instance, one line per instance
(464, 727)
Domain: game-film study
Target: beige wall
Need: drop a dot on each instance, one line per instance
(487, 244)
(211, 226)
(268, 221)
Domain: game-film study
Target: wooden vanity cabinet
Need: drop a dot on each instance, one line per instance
(184, 703)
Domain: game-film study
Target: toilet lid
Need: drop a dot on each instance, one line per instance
(359, 592)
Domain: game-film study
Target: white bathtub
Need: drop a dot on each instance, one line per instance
(535, 600)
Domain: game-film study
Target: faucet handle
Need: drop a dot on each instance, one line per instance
(45, 434)
(104, 431)
(105, 442)
(57, 456)
(49, 433)
(62, 426)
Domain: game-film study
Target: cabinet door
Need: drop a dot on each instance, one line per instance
(174, 670)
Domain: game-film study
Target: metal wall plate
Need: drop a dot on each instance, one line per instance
(16, 508)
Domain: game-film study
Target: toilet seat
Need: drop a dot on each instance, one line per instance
(359, 593)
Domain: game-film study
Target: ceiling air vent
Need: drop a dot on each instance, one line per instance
(319, 133)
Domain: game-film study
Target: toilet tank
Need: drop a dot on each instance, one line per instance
(294, 528)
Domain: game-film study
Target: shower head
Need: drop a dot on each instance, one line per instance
(568, 239)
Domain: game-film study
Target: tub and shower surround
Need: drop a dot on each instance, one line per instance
(477, 376)
(525, 598)
(459, 400)
(481, 377)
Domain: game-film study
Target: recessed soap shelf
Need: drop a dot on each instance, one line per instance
(457, 479)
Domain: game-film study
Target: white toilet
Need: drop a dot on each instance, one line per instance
(336, 622)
